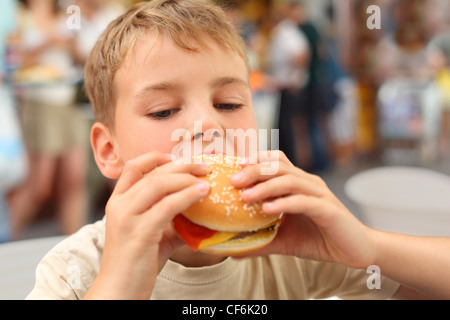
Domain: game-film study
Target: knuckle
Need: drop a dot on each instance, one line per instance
(319, 180)
(282, 156)
(156, 179)
(116, 213)
(111, 205)
(159, 184)
(168, 204)
(315, 179)
(131, 165)
(289, 182)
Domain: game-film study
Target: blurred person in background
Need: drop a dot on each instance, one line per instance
(95, 17)
(288, 60)
(55, 133)
(402, 52)
(439, 62)
(408, 101)
(247, 29)
(12, 152)
(317, 98)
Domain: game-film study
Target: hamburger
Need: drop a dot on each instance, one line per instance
(222, 223)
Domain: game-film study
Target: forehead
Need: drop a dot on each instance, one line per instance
(157, 55)
(152, 41)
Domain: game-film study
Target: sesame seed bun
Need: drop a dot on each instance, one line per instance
(223, 208)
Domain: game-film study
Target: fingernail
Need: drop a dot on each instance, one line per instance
(238, 176)
(202, 186)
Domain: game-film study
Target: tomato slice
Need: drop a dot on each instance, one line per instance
(192, 234)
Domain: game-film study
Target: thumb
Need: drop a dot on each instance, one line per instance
(169, 243)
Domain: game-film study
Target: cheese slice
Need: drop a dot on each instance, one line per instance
(218, 237)
(222, 236)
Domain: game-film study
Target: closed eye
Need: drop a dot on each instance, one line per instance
(227, 106)
(160, 115)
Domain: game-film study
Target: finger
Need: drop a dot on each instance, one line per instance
(165, 210)
(252, 174)
(201, 169)
(281, 186)
(136, 168)
(150, 190)
(315, 208)
(170, 242)
(264, 157)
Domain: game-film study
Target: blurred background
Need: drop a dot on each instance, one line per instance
(352, 85)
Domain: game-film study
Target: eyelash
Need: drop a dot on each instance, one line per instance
(157, 115)
(227, 107)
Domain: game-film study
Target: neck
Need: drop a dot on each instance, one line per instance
(188, 258)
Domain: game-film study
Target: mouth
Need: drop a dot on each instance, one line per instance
(214, 151)
(207, 152)
(186, 150)
(197, 156)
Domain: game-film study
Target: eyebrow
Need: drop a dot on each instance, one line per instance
(223, 81)
(163, 86)
(173, 86)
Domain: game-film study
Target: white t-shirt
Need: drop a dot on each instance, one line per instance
(70, 268)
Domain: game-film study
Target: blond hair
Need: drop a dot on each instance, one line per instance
(186, 22)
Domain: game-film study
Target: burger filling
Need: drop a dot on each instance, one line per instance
(198, 237)
(243, 235)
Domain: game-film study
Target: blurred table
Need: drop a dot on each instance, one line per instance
(18, 261)
(403, 199)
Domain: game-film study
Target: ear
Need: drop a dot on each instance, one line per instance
(106, 151)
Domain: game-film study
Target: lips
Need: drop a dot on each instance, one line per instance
(214, 151)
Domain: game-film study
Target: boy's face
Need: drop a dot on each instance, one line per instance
(163, 89)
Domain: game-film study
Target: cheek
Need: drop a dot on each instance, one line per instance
(244, 145)
(244, 120)
(137, 140)
(162, 140)
(158, 138)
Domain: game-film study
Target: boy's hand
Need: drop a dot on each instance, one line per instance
(316, 224)
(139, 237)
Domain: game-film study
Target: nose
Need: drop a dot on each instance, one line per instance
(204, 125)
(200, 135)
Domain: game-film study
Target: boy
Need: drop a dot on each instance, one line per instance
(161, 67)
